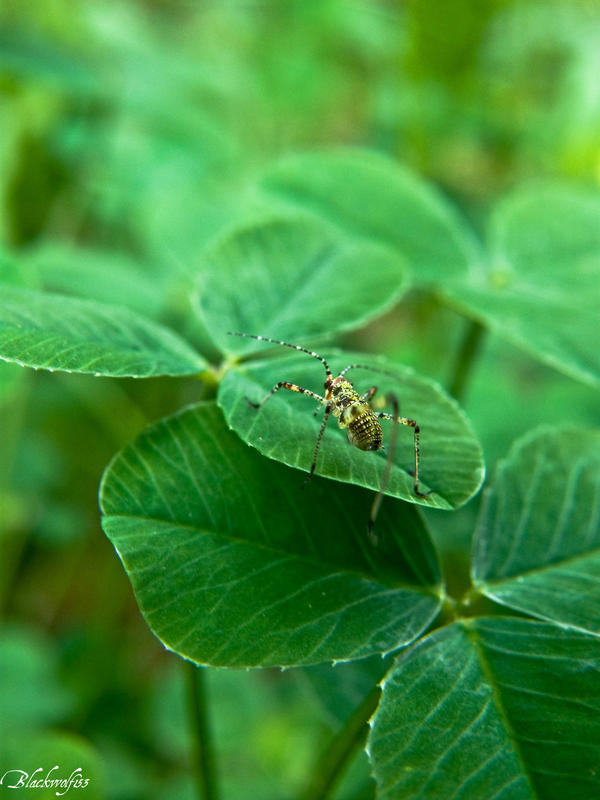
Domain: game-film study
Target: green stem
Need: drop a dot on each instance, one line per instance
(334, 759)
(202, 747)
(465, 359)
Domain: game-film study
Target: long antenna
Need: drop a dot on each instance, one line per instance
(285, 344)
(371, 369)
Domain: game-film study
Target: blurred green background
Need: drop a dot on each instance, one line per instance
(130, 136)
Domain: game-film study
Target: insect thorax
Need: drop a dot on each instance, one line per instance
(356, 416)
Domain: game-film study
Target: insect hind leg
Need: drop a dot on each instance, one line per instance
(417, 431)
(388, 468)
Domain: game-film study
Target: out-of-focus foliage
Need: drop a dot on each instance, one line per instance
(132, 135)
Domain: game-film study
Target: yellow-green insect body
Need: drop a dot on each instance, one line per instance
(354, 414)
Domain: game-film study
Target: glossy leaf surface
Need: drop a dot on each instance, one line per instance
(232, 565)
(55, 332)
(537, 544)
(491, 708)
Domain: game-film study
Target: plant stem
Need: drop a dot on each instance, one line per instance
(465, 358)
(334, 759)
(202, 748)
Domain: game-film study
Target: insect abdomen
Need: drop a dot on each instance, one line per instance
(362, 425)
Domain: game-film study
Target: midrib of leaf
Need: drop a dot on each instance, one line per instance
(537, 570)
(236, 540)
(488, 673)
(91, 329)
(62, 346)
(531, 490)
(248, 495)
(333, 613)
(70, 334)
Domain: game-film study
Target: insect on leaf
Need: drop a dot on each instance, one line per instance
(285, 428)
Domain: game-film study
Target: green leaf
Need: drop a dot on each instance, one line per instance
(541, 291)
(294, 278)
(491, 708)
(56, 332)
(537, 544)
(286, 429)
(233, 564)
(369, 195)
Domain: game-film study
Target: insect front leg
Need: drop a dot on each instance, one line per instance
(328, 410)
(292, 387)
(369, 394)
(285, 385)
